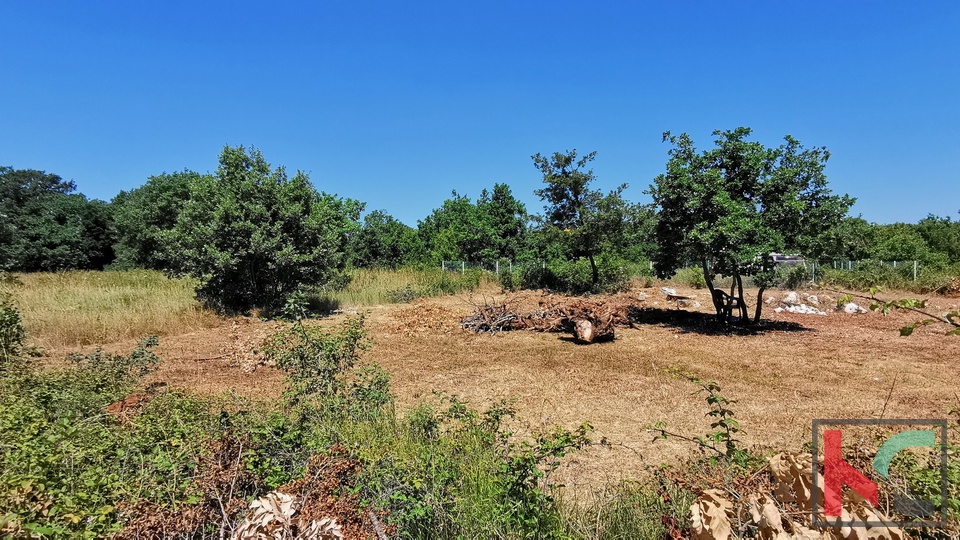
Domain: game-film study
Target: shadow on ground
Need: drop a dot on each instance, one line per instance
(706, 323)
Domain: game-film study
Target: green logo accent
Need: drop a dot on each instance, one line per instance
(901, 441)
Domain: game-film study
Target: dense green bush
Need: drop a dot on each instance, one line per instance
(253, 236)
(11, 332)
(63, 464)
(568, 276)
(691, 277)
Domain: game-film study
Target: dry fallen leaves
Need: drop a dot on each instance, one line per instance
(710, 513)
(276, 516)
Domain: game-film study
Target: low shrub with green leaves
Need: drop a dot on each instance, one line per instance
(691, 277)
(12, 335)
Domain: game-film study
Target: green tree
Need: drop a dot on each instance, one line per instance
(851, 239)
(385, 242)
(452, 232)
(253, 236)
(582, 220)
(47, 227)
(901, 242)
(732, 207)
(505, 218)
(493, 228)
(144, 214)
(942, 235)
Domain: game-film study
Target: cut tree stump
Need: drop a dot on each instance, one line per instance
(585, 331)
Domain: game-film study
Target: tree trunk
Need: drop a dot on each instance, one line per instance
(595, 274)
(744, 316)
(717, 301)
(756, 317)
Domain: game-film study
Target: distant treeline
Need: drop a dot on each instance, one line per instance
(48, 226)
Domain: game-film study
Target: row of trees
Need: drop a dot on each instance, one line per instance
(252, 234)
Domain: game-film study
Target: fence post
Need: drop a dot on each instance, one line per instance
(498, 267)
(511, 266)
(443, 266)
(463, 266)
(914, 270)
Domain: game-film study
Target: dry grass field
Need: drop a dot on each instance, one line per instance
(799, 367)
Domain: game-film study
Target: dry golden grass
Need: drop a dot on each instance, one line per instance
(82, 308)
(373, 286)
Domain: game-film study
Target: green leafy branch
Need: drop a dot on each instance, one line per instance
(723, 439)
(908, 304)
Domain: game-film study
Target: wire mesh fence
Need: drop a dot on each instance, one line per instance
(813, 270)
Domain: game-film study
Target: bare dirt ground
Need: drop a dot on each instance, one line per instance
(799, 368)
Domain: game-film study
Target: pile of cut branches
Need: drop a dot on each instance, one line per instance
(493, 317)
(588, 319)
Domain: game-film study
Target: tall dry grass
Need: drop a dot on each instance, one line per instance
(375, 286)
(90, 308)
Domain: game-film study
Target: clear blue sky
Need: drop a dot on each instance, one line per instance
(396, 104)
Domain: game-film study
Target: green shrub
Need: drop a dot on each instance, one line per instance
(253, 236)
(871, 273)
(568, 276)
(691, 277)
(792, 277)
(63, 468)
(12, 335)
(316, 361)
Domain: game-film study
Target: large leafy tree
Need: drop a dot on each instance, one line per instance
(942, 235)
(48, 227)
(584, 221)
(452, 231)
(493, 228)
(506, 220)
(731, 207)
(144, 214)
(253, 236)
(384, 242)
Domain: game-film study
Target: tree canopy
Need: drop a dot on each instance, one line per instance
(493, 228)
(253, 236)
(384, 242)
(730, 208)
(583, 220)
(47, 227)
(144, 214)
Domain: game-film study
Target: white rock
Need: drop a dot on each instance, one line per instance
(791, 298)
(668, 291)
(853, 309)
(813, 300)
(801, 309)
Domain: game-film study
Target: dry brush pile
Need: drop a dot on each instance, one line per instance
(588, 319)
